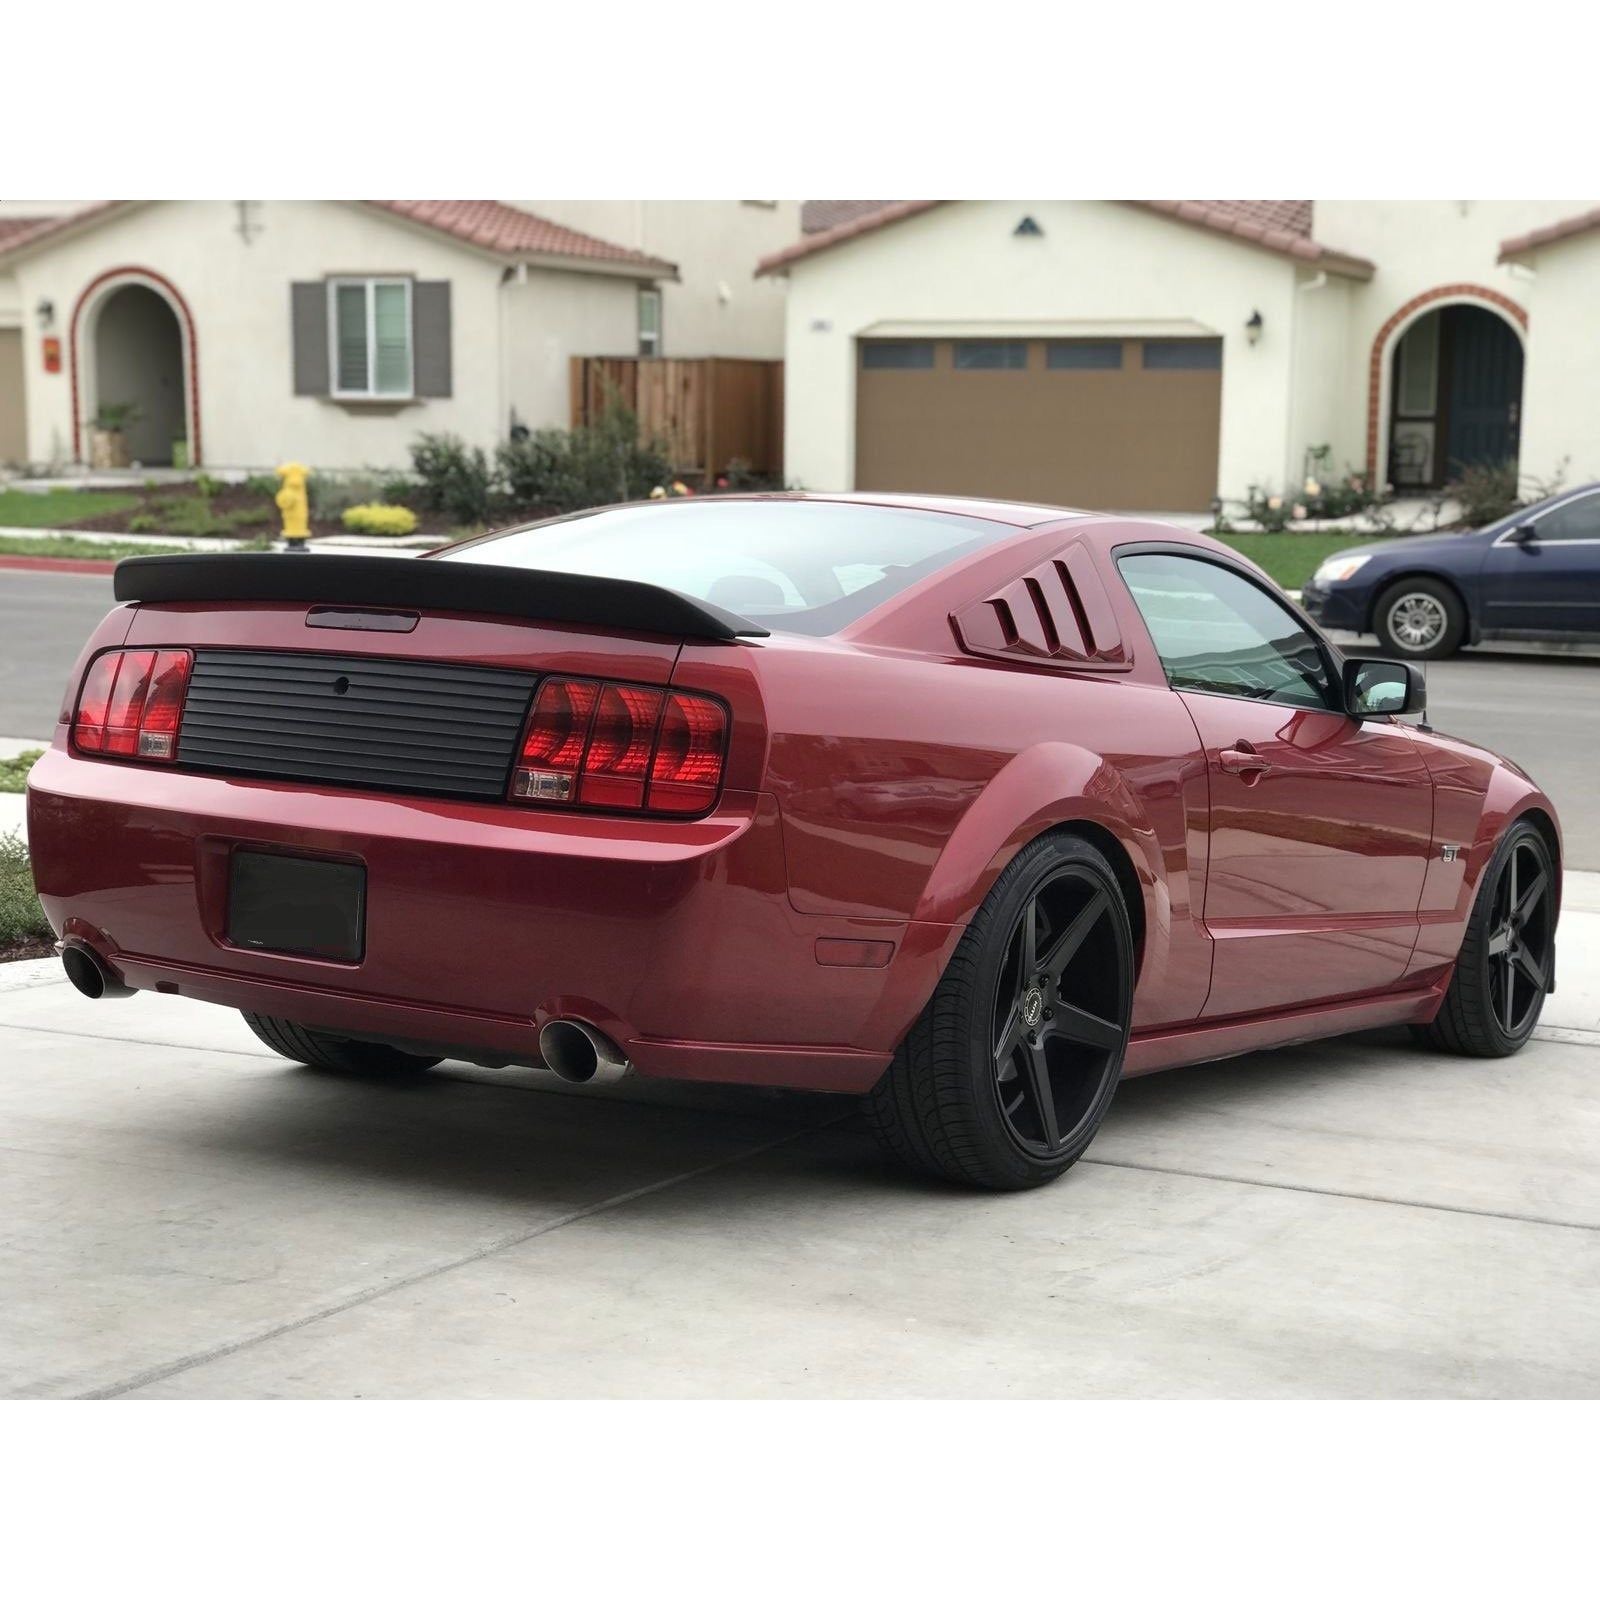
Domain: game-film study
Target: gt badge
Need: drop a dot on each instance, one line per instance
(1449, 852)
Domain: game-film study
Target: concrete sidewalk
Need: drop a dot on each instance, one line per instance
(187, 1215)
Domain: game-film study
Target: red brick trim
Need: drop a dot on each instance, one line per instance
(54, 564)
(1378, 363)
(170, 290)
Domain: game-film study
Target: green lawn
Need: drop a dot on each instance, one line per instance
(14, 771)
(59, 508)
(70, 549)
(1291, 558)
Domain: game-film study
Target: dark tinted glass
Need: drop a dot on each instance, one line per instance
(1220, 633)
(1084, 355)
(1577, 519)
(882, 355)
(804, 567)
(1183, 355)
(991, 355)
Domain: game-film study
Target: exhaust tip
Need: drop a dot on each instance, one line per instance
(577, 1053)
(89, 975)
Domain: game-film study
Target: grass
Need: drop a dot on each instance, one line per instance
(21, 916)
(70, 549)
(192, 517)
(14, 771)
(59, 508)
(1291, 558)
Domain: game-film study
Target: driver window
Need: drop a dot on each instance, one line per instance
(1577, 519)
(1218, 633)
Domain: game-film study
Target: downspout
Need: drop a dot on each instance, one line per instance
(1310, 286)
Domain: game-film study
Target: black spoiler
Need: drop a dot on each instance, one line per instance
(435, 585)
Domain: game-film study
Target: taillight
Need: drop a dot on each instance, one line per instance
(131, 704)
(622, 746)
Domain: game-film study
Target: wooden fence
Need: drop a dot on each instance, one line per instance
(707, 410)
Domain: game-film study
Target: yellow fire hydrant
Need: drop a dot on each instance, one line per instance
(295, 504)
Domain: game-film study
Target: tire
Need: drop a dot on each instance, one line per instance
(1506, 961)
(1420, 619)
(962, 1098)
(355, 1056)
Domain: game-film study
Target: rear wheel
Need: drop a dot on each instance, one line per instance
(1005, 1077)
(1503, 971)
(328, 1050)
(1420, 619)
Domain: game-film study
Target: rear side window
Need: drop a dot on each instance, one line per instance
(1218, 633)
(797, 566)
(1577, 519)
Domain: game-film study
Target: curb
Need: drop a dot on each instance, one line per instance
(56, 564)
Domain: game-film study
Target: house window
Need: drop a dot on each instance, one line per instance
(1419, 369)
(649, 322)
(1083, 355)
(991, 355)
(901, 355)
(370, 323)
(1183, 355)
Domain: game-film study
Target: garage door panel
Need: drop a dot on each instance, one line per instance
(13, 435)
(1129, 437)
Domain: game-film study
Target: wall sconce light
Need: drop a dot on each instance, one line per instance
(1252, 329)
(45, 312)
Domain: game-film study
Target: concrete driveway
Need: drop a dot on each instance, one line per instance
(186, 1215)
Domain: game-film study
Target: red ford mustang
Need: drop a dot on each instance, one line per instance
(966, 808)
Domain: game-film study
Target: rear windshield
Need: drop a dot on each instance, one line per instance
(799, 566)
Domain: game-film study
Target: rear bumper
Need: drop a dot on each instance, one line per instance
(485, 921)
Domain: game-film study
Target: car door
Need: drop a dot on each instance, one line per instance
(1549, 580)
(1320, 825)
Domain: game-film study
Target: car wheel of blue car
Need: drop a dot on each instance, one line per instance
(1420, 619)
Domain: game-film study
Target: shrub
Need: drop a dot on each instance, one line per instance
(21, 915)
(456, 477)
(14, 771)
(206, 486)
(143, 523)
(572, 471)
(1485, 494)
(262, 483)
(393, 520)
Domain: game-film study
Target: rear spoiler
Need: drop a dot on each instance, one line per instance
(619, 603)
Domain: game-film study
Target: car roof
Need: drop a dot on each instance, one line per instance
(1019, 514)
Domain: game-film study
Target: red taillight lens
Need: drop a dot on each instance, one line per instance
(619, 748)
(623, 746)
(132, 703)
(687, 770)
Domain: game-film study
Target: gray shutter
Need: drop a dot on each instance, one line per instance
(430, 334)
(308, 321)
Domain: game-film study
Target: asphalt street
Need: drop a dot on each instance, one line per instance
(1541, 709)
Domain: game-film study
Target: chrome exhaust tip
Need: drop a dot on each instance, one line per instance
(577, 1053)
(89, 975)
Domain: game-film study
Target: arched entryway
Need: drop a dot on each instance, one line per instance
(133, 344)
(1446, 389)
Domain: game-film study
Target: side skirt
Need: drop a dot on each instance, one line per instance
(1181, 1047)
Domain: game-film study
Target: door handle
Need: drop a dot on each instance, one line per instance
(1242, 758)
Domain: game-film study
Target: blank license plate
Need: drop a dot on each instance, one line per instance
(297, 906)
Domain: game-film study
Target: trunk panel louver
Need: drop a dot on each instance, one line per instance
(422, 727)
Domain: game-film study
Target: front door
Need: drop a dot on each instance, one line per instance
(1550, 582)
(1320, 825)
(1484, 360)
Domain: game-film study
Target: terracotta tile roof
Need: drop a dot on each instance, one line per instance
(1282, 226)
(817, 216)
(488, 224)
(508, 230)
(1553, 234)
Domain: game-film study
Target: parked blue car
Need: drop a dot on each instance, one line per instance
(1532, 575)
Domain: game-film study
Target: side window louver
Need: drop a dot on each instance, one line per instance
(1057, 614)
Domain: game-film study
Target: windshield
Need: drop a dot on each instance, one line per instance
(800, 566)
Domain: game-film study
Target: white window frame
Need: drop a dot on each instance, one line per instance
(650, 291)
(370, 393)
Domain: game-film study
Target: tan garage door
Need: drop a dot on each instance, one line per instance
(1123, 424)
(13, 435)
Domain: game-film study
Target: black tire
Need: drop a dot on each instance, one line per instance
(1507, 958)
(355, 1056)
(946, 1106)
(1420, 619)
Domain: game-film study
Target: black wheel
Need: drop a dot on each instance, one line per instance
(1005, 1077)
(1508, 955)
(327, 1050)
(1420, 619)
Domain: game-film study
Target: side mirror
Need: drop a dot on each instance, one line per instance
(1374, 688)
(1524, 533)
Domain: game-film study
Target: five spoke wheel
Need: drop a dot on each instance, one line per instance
(1519, 946)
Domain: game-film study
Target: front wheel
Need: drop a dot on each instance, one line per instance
(1507, 959)
(1006, 1076)
(1420, 619)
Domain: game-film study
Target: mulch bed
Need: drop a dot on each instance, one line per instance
(231, 497)
(27, 950)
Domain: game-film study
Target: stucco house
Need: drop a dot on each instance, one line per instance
(333, 332)
(1152, 355)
